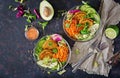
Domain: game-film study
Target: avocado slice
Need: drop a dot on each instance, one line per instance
(84, 7)
(46, 8)
(95, 17)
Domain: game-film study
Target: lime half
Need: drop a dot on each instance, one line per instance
(112, 32)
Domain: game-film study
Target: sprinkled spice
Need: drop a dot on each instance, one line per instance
(32, 33)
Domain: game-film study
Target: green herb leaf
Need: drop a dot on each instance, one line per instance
(54, 50)
(67, 25)
(77, 51)
(26, 27)
(34, 17)
(78, 25)
(38, 50)
(54, 60)
(43, 24)
(48, 73)
(27, 11)
(86, 24)
(50, 43)
(63, 63)
(21, 1)
(61, 13)
(25, 15)
(12, 8)
(16, 0)
(30, 17)
(85, 3)
(85, 31)
(28, 20)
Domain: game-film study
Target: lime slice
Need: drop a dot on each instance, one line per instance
(112, 32)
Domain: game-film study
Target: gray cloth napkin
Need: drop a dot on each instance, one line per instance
(110, 15)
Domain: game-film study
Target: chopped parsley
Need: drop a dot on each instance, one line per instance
(54, 50)
(78, 25)
(50, 43)
(85, 30)
(67, 25)
(43, 24)
(77, 51)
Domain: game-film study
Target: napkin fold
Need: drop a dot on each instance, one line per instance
(110, 15)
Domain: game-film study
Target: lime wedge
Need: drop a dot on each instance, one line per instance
(112, 32)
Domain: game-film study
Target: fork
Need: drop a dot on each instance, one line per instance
(100, 47)
(96, 45)
(93, 46)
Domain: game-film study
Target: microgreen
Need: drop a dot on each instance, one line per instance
(61, 13)
(67, 25)
(29, 16)
(78, 25)
(85, 2)
(86, 24)
(16, 0)
(21, 1)
(26, 27)
(43, 24)
(12, 8)
(77, 51)
(48, 72)
(85, 29)
(63, 63)
(50, 43)
(54, 50)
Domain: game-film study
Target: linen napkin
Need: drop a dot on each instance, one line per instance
(110, 15)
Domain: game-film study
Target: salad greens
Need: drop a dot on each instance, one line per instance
(55, 50)
(43, 24)
(29, 17)
(51, 52)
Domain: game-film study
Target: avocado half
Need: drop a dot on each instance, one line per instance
(44, 4)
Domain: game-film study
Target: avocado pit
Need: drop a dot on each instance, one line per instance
(47, 11)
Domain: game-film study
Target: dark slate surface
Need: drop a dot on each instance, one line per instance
(16, 60)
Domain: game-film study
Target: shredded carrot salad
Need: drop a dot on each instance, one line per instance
(52, 49)
(62, 53)
(77, 23)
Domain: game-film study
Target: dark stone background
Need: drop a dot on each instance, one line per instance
(16, 59)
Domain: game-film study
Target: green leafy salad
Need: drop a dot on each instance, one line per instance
(52, 52)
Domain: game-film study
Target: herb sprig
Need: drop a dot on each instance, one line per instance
(61, 13)
(43, 24)
(30, 17)
(27, 13)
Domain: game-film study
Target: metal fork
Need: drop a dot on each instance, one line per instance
(96, 45)
(93, 46)
(101, 46)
